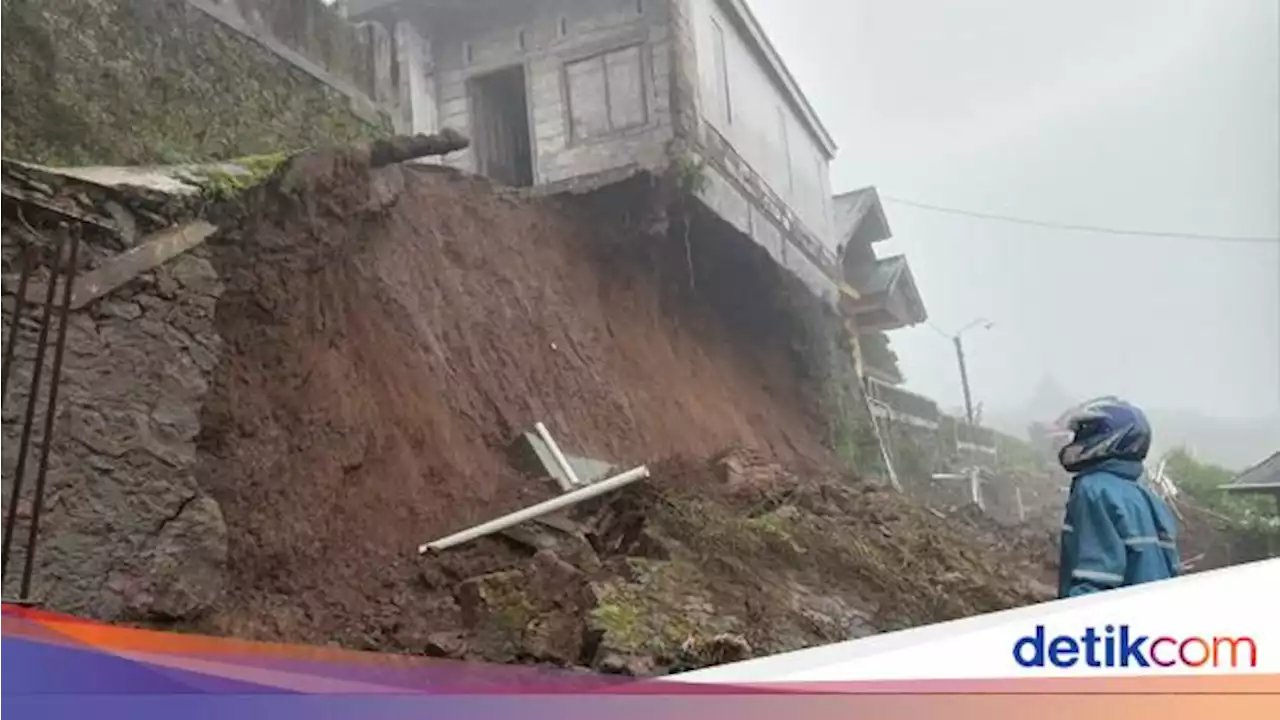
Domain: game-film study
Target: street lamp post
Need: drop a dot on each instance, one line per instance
(964, 379)
(964, 371)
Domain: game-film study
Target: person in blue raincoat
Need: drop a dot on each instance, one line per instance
(1117, 532)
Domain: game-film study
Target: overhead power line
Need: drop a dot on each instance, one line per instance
(1084, 228)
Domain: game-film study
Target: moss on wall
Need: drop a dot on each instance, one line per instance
(153, 81)
(824, 355)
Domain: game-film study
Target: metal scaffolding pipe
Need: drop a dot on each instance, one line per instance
(570, 481)
(542, 508)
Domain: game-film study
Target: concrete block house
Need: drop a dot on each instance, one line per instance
(563, 92)
(576, 94)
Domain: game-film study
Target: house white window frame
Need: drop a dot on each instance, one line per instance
(646, 120)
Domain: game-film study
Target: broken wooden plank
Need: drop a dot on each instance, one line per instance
(45, 203)
(402, 148)
(154, 251)
(847, 291)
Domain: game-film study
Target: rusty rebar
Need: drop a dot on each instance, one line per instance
(24, 444)
(19, 304)
(42, 472)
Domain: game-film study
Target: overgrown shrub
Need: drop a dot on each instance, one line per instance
(1251, 521)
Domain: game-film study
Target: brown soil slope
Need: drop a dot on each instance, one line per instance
(389, 331)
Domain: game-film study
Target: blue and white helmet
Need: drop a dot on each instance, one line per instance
(1105, 429)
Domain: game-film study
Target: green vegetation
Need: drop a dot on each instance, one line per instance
(855, 442)
(1250, 520)
(658, 609)
(691, 176)
(219, 184)
(878, 352)
(141, 82)
(1201, 481)
(825, 355)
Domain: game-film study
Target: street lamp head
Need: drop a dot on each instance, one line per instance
(984, 323)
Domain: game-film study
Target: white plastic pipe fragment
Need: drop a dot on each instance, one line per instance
(559, 457)
(975, 489)
(542, 508)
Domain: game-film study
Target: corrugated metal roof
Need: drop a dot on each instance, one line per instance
(887, 286)
(1263, 476)
(855, 206)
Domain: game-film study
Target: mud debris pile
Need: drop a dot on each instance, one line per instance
(383, 335)
(390, 330)
(387, 332)
(388, 344)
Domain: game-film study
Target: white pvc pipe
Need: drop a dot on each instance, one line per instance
(542, 508)
(973, 487)
(559, 457)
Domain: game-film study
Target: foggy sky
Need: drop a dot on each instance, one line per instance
(1160, 115)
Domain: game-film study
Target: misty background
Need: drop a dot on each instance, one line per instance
(1153, 115)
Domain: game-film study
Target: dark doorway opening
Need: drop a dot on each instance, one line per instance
(500, 126)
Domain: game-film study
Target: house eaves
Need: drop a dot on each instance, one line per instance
(876, 278)
(904, 286)
(857, 210)
(1263, 477)
(887, 285)
(740, 13)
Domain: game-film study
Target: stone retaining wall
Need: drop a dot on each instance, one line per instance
(138, 82)
(126, 532)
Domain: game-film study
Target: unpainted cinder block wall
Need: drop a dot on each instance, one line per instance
(741, 100)
(765, 173)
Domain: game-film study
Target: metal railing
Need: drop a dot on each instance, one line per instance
(903, 405)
